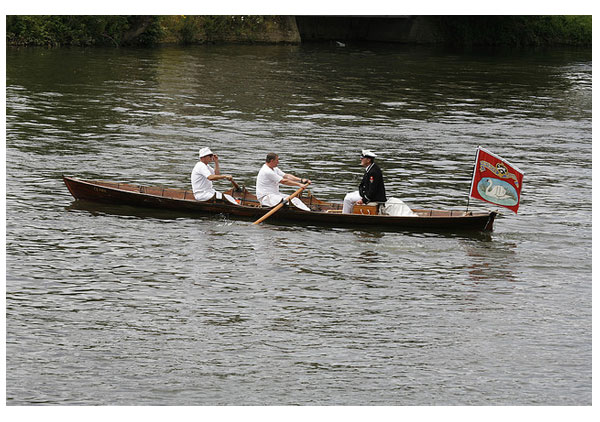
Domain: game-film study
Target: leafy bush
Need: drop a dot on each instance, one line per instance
(43, 30)
(514, 30)
(147, 30)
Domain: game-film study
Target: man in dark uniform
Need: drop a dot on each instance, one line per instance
(371, 187)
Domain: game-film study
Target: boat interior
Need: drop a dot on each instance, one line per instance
(243, 197)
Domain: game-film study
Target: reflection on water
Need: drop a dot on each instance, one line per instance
(178, 309)
(490, 261)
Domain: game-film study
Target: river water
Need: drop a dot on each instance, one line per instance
(110, 305)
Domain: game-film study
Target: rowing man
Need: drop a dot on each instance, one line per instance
(268, 180)
(371, 187)
(203, 175)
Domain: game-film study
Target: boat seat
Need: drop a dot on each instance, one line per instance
(372, 208)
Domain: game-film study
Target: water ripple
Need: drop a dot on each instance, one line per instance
(114, 306)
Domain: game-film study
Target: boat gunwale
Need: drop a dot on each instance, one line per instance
(117, 186)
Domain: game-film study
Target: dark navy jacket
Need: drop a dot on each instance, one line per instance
(371, 187)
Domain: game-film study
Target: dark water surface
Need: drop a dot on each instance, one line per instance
(115, 306)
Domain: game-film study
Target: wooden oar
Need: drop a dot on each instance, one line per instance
(274, 210)
(235, 186)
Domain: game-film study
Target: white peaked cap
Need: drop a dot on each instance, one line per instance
(204, 152)
(368, 153)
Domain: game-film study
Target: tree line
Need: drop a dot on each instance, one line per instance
(80, 30)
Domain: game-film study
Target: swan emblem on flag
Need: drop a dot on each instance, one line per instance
(497, 191)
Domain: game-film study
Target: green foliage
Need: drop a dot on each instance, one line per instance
(80, 30)
(51, 31)
(514, 30)
(215, 28)
(67, 30)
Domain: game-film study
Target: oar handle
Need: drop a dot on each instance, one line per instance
(235, 185)
(274, 210)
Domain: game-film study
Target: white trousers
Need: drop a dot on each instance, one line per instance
(273, 199)
(206, 195)
(349, 200)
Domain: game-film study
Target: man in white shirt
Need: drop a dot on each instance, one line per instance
(268, 180)
(203, 175)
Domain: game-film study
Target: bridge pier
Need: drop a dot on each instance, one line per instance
(397, 29)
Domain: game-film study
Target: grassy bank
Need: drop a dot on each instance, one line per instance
(52, 31)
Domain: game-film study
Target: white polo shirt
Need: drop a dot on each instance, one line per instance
(267, 181)
(201, 186)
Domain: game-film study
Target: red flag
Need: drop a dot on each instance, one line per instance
(497, 181)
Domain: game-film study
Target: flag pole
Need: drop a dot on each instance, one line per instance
(472, 178)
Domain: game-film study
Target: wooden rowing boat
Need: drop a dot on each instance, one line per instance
(245, 205)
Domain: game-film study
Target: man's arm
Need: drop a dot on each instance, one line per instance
(291, 180)
(218, 175)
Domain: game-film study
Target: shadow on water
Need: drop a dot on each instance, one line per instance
(490, 260)
(100, 209)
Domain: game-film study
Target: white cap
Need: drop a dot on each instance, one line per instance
(368, 153)
(204, 152)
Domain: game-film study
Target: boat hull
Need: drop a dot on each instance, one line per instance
(183, 201)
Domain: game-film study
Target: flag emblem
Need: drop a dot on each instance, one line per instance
(497, 181)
